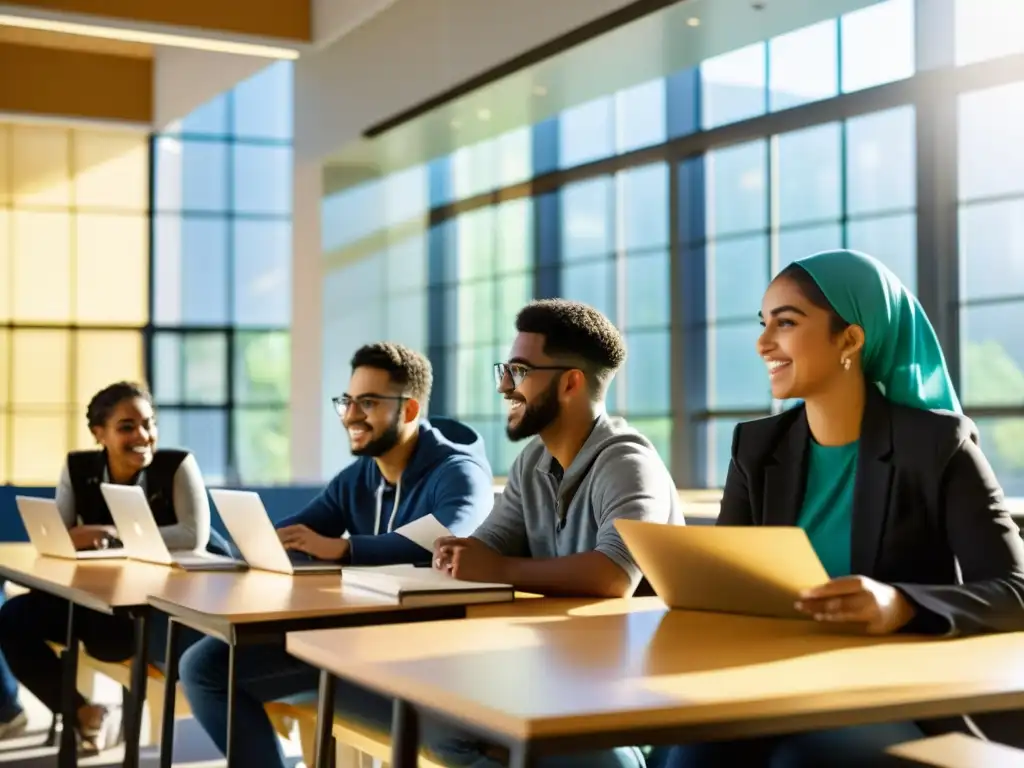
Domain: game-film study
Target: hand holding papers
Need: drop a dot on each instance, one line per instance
(424, 531)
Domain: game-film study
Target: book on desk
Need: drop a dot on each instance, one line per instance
(415, 586)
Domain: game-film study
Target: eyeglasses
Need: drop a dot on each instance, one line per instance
(365, 403)
(519, 371)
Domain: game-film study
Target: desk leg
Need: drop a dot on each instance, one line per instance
(231, 703)
(323, 750)
(521, 756)
(68, 755)
(405, 735)
(137, 699)
(170, 692)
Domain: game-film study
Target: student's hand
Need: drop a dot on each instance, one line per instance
(91, 536)
(858, 599)
(468, 559)
(302, 539)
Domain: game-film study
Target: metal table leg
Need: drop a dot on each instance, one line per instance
(137, 698)
(68, 755)
(231, 751)
(170, 691)
(405, 735)
(323, 750)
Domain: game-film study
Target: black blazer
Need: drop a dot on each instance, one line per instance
(929, 516)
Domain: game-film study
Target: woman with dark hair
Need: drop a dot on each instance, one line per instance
(884, 473)
(122, 420)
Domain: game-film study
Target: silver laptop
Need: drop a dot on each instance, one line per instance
(247, 521)
(141, 536)
(49, 535)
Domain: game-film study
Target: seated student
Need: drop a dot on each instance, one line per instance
(406, 468)
(122, 419)
(883, 472)
(13, 720)
(585, 470)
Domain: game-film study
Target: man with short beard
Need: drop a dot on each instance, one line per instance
(406, 468)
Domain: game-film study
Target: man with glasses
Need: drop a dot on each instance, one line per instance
(405, 468)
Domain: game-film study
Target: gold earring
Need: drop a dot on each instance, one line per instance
(847, 362)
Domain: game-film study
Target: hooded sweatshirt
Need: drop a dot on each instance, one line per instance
(448, 476)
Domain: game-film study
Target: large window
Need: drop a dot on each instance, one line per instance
(73, 277)
(222, 298)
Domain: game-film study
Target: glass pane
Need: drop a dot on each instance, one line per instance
(992, 250)
(204, 432)
(263, 104)
(640, 116)
(39, 366)
(112, 269)
(586, 132)
(734, 86)
(42, 267)
(1002, 440)
(736, 375)
(40, 165)
(42, 442)
(737, 189)
(475, 394)
(476, 312)
(991, 152)
(262, 179)
(514, 236)
(808, 172)
(210, 119)
(5, 371)
(406, 321)
(648, 290)
(475, 237)
(644, 207)
(659, 432)
(191, 264)
(992, 360)
(796, 243)
(206, 368)
(648, 364)
(881, 162)
(191, 175)
(406, 264)
(263, 368)
(103, 357)
(513, 293)
(5, 183)
(892, 240)
(6, 264)
(804, 66)
(261, 446)
(4, 476)
(167, 364)
(474, 169)
(262, 280)
(737, 277)
(878, 44)
(592, 283)
(587, 219)
(513, 157)
(988, 29)
(111, 170)
(719, 441)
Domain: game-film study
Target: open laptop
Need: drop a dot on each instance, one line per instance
(247, 521)
(751, 570)
(141, 536)
(49, 535)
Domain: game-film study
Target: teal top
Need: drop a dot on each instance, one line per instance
(827, 511)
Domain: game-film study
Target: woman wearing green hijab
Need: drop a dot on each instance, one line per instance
(882, 471)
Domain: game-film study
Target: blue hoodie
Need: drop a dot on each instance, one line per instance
(448, 476)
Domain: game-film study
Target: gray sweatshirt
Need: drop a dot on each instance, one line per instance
(545, 512)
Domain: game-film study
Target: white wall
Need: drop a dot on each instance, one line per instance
(183, 79)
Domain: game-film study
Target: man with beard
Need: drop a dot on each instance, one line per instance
(406, 468)
(553, 529)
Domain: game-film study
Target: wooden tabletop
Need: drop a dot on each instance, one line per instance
(102, 585)
(633, 667)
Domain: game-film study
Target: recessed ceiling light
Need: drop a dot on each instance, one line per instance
(484, 114)
(540, 90)
(693, 21)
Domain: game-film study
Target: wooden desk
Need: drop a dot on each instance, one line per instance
(107, 586)
(258, 607)
(633, 673)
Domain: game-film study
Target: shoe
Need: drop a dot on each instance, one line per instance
(107, 735)
(14, 727)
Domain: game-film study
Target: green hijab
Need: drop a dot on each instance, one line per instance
(901, 352)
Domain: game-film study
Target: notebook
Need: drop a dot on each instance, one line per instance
(415, 586)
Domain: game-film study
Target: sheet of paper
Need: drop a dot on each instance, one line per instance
(424, 531)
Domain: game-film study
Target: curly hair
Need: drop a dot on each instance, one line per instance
(407, 368)
(572, 329)
(107, 399)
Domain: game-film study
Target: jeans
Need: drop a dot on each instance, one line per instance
(10, 707)
(852, 747)
(268, 673)
(28, 622)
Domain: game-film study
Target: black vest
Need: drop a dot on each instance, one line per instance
(86, 471)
